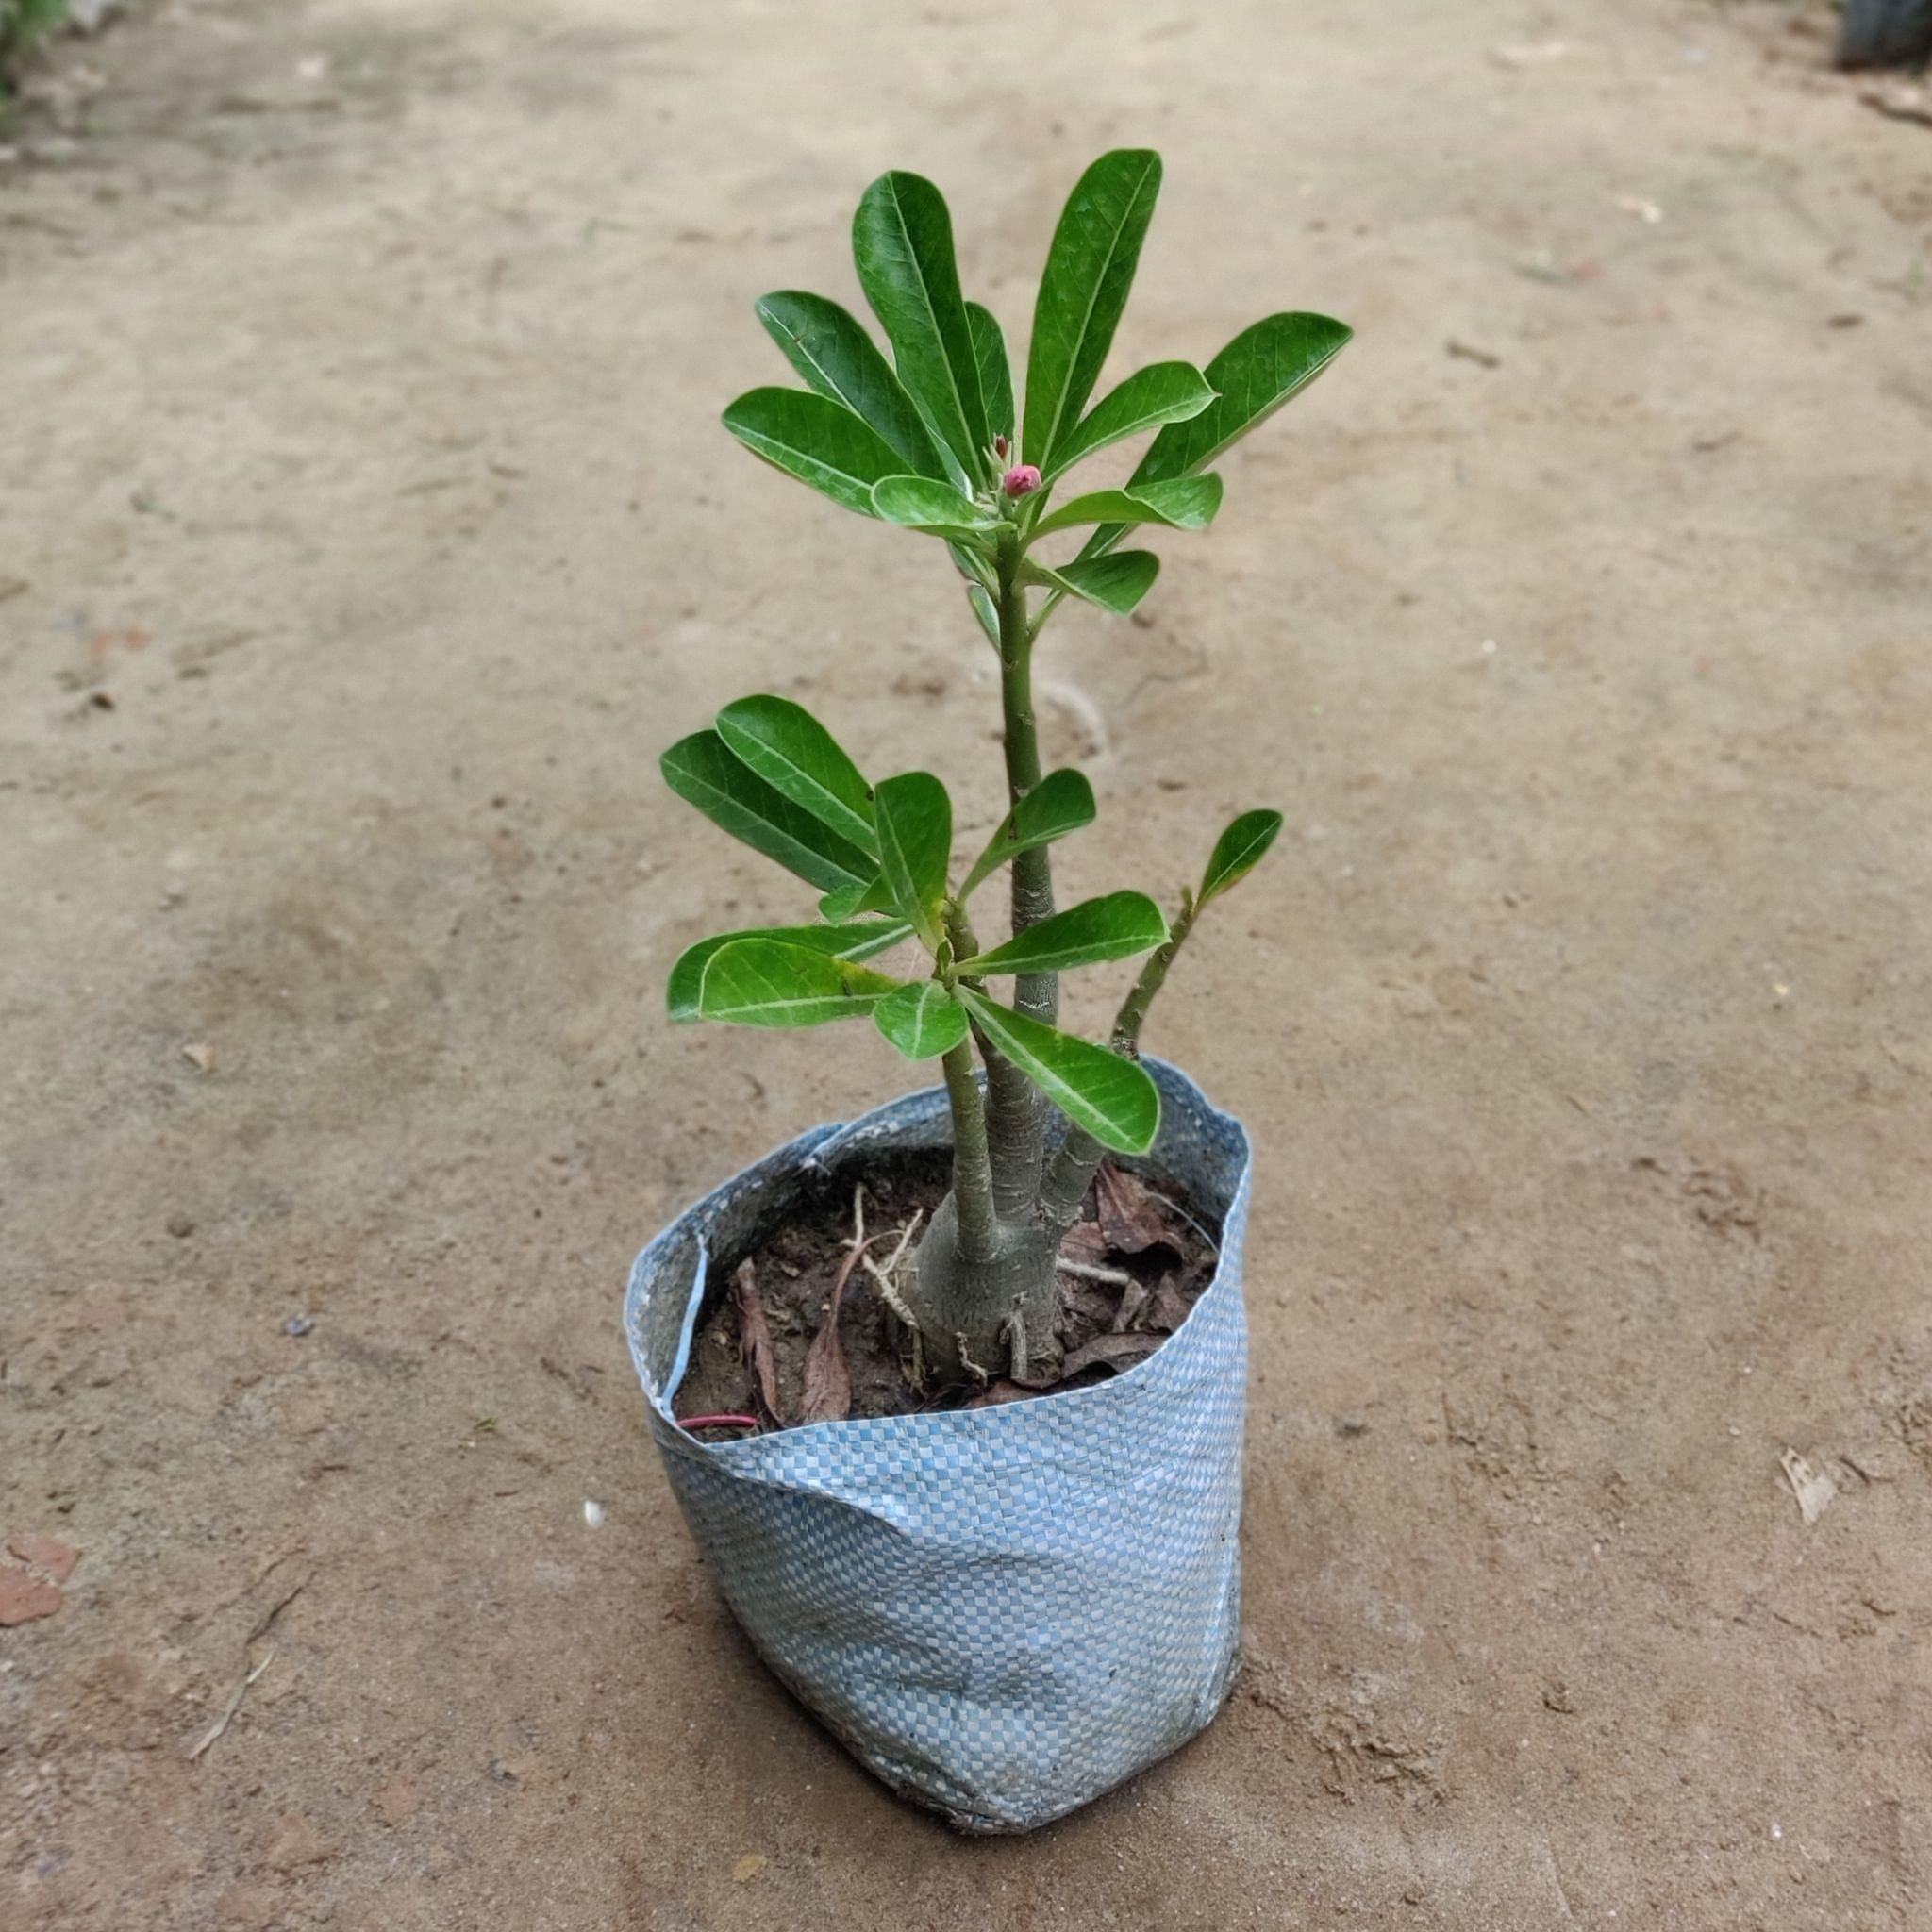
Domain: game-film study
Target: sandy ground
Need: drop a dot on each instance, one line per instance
(365, 530)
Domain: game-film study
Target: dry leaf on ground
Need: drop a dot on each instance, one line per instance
(1813, 1490)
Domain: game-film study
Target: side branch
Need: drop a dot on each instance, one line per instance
(1071, 1170)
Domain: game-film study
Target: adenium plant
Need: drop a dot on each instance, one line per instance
(933, 442)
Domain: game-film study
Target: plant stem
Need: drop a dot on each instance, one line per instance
(1016, 1110)
(971, 1172)
(1038, 994)
(1133, 1013)
(1070, 1172)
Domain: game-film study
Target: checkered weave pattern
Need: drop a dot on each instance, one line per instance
(1002, 1612)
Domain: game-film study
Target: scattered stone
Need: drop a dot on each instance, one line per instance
(200, 1055)
(180, 1227)
(400, 1799)
(46, 1553)
(250, 1907)
(748, 1867)
(293, 1842)
(298, 1325)
(25, 1597)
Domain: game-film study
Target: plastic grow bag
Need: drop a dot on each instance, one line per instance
(1002, 1612)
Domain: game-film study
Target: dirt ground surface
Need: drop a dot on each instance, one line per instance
(366, 529)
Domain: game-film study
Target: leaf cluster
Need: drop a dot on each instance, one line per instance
(770, 775)
(923, 441)
(931, 439)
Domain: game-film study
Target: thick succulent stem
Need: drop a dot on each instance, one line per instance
(1038, 994)
(1016, 1108)
(982, 1285)
(966, 1305)
(975, 1225)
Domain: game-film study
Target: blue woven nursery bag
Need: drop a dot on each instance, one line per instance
(1001, 1612)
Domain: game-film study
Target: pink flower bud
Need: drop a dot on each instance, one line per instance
(999, 446)
(1022, 480)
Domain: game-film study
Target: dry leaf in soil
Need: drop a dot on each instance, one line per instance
(1168, 1309)
(827, 1379)
(1115, 1352)
(755, 1340)
(1130, 1218)
(1084, 1243)
(995, 1393)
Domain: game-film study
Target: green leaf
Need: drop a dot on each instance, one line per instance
(793, 753)
(702, 770)
(914, 818)
(995, 372)
(902, 241)
(1114, 927)
(923, 1019)
(1108, 1094)
(986, 611)
(855, 941)
(1253, 376)
(1182, 503)
(1162, 393)
(768, 982)
(1239, 851)
(916, 503)
(1062, 802)
(974, 565)
(1089, 270)
(852, 901)
(1256, 373)
(829, 347)
(818, 441)
(1115, 583)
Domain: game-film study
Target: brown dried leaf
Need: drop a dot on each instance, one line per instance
(1129, 1211)
(995, 1393)
(1084, 1241)
(754, 1339)
(827, 1379)
(1133, 1300)
(1168, 1309)
(1116, 1352)
(1085, 1306)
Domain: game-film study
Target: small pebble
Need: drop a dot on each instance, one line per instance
(180, 1227)
(297, 1325)
(593, 1513)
